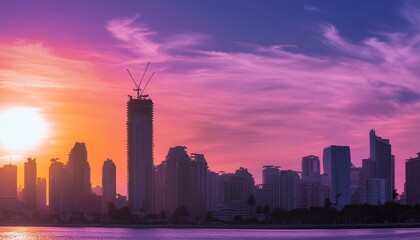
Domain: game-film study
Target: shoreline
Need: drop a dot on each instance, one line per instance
(224, 226)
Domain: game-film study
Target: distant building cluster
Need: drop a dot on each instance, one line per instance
(183, 181)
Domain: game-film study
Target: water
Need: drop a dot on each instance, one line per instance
(32, 233)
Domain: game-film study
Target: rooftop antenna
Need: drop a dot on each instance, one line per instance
(138, 89)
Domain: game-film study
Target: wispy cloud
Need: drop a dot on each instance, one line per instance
(311, 8)
(269, 98)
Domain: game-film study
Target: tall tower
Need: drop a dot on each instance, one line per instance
(109, 183)
(8, 181)
(412, 180)
(30, 184)
(383, 162)
(140, 152)
(311, 168)
(41, 194)
(337, 165)
(78, 170)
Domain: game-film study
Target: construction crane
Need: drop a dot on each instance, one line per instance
(138, 86)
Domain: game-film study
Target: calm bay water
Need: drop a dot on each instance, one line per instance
(30, 233)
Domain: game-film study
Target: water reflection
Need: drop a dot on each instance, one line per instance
(49, 233)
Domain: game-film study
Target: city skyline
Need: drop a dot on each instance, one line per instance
(261, 91)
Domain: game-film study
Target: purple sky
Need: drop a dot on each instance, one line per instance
(246, 83)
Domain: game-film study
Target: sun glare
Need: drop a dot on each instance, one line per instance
(22, 129)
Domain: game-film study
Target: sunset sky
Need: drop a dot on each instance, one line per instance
(247, 83)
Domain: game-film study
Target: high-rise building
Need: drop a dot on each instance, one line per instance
(109, 184)
(78, 170)
(159, 183)
(213, 190)
(311, 194)
(8, 181)
(288, 191)
(311, 168)
(29, 191)
(412, 180)
(8, 188)
(375, 191)
(200, 167)
(182, 186)
(59, 192)
(355, 185)
(383, 163)
(140, 153)
(337, 165)
(270, 186)
(41, 194)
(249, 182)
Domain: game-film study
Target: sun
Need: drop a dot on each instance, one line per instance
(22, 129)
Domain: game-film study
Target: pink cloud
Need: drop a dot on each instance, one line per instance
(270, 105)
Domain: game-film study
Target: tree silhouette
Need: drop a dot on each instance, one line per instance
(181, 213)
(327, 203)
(266, 211)
(395, 194)
(258, 210)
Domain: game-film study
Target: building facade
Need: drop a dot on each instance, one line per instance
(337, 163)
(29, 191)
(383, 163)
(412, 180)
(109, 184)
(140, 154)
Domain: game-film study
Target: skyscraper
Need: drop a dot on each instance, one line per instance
(412, 180)
(289, 194)
(109, 183)
(59, 194)
(29, 191)
(140, 153)
(383, 162)
(78, 170)
(271, 185)
(182, 186)
(337, 165)
(41, 194)
(8, 181)
(311, 168)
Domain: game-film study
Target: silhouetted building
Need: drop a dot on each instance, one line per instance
(412, 180)
(59, 188)
(337, 165)
(121, 201)
(213, 190)
(78, 171)
(183, 182)
(8, 181)
(375, 191)
(109, 183)
(311, 169)
(270, 187)
(97, 190)
(383, 163)
(312, 194)
(289, 193)
(199, 164)
(232, 189)
(355, 182)
(41, 194)
(366, 173)
(159, 183)
(29, 191)
(140, 153)
(249, 182)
